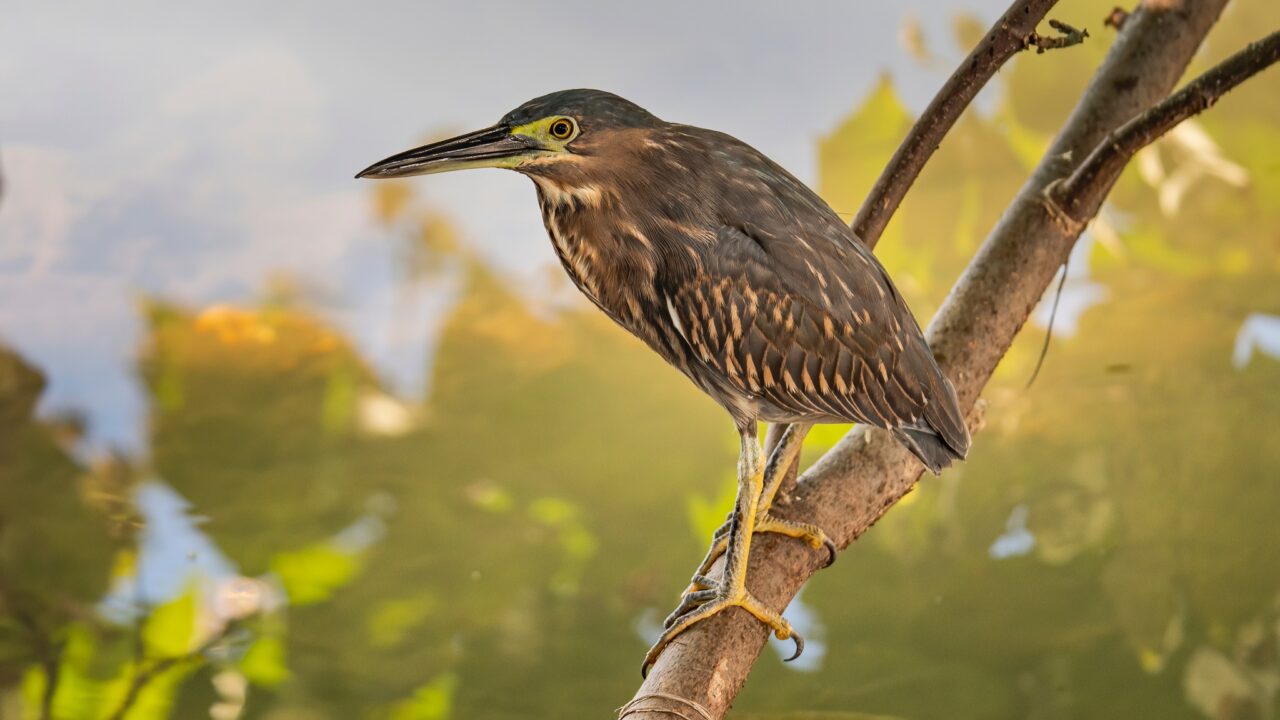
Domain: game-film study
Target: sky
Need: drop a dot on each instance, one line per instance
(193, 153)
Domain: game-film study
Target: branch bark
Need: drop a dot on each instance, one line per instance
(850, 487)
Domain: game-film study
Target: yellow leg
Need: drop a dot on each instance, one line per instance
(787, 452)
(731, 591)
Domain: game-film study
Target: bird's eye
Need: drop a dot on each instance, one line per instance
(561, 129)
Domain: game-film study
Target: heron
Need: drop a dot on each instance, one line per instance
(737, 274)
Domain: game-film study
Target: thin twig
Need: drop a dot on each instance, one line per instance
(1009, 35)
(1082, 188)
(1048, 331)
(1067, 37)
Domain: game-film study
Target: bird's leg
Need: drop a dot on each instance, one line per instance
(784, 455)
(731, 590)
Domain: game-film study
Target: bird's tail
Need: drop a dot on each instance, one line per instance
(941, 437)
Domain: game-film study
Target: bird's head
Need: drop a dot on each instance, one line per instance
(564, 134)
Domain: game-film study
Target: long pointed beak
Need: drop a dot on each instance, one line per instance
(491, 147)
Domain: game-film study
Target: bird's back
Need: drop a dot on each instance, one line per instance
(746, 280)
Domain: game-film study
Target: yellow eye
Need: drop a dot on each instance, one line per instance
(561, 129)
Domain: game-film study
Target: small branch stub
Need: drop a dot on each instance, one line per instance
(1115, 19)
(1068, 36)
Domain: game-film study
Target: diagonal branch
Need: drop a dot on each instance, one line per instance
(849, 488)
(1086, 188)
(1014, 32)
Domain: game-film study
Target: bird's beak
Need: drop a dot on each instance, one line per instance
(494, 146)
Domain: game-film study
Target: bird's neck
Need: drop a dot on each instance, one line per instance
(597, 244)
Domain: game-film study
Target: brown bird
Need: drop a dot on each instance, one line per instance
(737, 274)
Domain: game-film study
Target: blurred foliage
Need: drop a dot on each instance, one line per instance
(502, 547)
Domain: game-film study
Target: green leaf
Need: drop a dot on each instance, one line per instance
(433, 701)
(312, 574)
(264, 664)
(169, 631)
(391, 621)
(707, 514)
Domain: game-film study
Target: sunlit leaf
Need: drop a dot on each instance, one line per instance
(169, 629)
(390, 622)
(707, 514)
(265, 662)
(433, 701)
(312, 574)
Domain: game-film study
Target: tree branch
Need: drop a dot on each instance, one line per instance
(1014, 32)
(850, 487)
(1085, 187)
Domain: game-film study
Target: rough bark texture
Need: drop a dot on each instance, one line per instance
(847, 490)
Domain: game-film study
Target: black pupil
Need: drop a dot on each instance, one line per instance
(561, 129)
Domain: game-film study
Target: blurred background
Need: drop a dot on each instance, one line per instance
(272, 443)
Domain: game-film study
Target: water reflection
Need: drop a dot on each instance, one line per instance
(307, 532)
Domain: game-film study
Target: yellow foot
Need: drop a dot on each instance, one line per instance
(712, 602)
(811, 534)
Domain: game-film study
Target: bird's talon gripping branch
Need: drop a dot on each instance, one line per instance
(812, 535)
(689, 602)
(703, 582)
(724, 598)
(799, 641)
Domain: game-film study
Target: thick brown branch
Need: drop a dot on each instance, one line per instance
(1085, 187)
(1012, 33)
(847, 490)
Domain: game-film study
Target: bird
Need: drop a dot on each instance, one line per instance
(738, 275)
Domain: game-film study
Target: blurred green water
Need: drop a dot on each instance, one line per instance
(501, 547)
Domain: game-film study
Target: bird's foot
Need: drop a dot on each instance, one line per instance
(712, 601)
(813, 536)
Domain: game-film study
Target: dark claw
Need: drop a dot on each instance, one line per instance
(644, 669)
(831, 553)
(688, 603)
(799, 641)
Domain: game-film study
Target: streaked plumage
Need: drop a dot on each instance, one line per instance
(739, 275)
(736, 274)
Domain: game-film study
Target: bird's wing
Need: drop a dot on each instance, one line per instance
(769, 330)
(814, 325)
